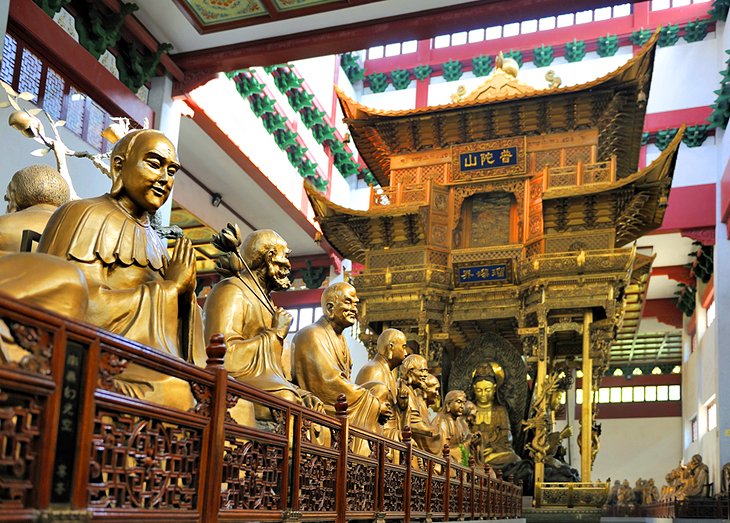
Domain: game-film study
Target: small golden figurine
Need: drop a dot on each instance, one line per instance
(414, 410)
(453, 427)
(492, 420)
(377, 374)
(321, 361)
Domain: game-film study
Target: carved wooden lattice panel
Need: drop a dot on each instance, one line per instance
(252, 474)
(437, 173)
(317, 481)
(550, 158)
(361, 482)
(562, 176)
(418, 492)
(394, 479)
(535, 226)
(19, 447)
(454, 498)
(406, 177)
(437, 495)
(141, 462)
(573, 155)
(597, 173)
(581, 241)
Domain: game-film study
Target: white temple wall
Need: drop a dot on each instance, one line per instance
(633, 448)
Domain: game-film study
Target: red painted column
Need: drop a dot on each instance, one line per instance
(423, 55)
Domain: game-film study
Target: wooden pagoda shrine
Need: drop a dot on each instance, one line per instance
(511, 210)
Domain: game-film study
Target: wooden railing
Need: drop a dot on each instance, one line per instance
(72, 446)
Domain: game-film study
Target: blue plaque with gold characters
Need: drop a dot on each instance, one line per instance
(492, 273)
(495, 158)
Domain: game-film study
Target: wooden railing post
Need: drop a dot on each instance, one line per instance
(519, 498)
(511, 505)
(211, 484)
(490, 491)
(406, 436)
(341, 487)
(447, 484)
(472, 510)
(500, 495)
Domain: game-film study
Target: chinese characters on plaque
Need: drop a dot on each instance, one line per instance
(68, 420)
(490, 159)
(497, 272)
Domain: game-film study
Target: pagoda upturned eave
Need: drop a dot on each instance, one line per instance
(381, 134)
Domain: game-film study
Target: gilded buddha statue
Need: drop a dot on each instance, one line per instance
(491, 419)
(134, 289)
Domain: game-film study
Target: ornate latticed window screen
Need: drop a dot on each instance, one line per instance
(8, 63)
(25, 71)
(30, 73)
(53, 97)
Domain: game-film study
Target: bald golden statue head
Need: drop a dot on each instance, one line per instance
(35, 185)
(392, 346)
(143, 167)
(267, 254)
(339, 305)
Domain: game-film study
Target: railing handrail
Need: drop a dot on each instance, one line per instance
(120, 439)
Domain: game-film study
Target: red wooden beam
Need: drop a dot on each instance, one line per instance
(678, 273)
(288, 299)
(200, 65)
(589, 33)
(674, 119)
(38, 30)
(664, 310)
(689, 207)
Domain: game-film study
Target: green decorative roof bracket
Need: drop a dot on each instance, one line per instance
(275, 124)
(51, 7)
(668, 35)
(401, 79)
(452, 70)
(695, 31)
(313, 276)
(695, 135)
(575, 51)
(350, 63)
(378, 82)
(481, 65)
(99, 27)
(422, 72)
(721, 108)
(640, 36)
(543, 55)
(137, 67)
(607, 45)
(719, 10)
(664, 137)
